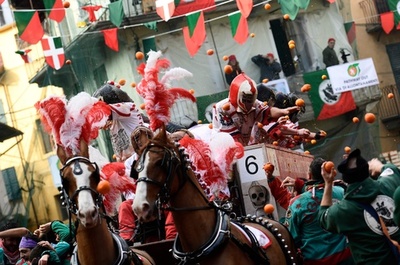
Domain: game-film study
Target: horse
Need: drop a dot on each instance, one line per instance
(96, 244)
(206, 233)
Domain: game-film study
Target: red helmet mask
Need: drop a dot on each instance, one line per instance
(243, 92)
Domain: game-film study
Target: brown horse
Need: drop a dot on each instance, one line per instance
(206, 235)
(95, 242)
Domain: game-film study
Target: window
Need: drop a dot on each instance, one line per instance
(11, 183)
(46, 138)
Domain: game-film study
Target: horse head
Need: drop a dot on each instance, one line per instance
(80, 177)
(155, 173)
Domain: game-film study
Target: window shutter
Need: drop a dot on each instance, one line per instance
(11, 183)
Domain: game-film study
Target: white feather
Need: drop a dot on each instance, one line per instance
(176, 73)
(151, 60)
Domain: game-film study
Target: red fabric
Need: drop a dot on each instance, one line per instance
(165, 9)
(196, 5)
(281, 194)
(199, 32)
(126, 220)
(242, 31)
(170, 229)
(298, 186)
(191, 45)
(33, 32)
(331, 1)
(345, 104)
(245, 7)
(111, 39)
(91, 10)
(387, 20)
(1, 2)
(57, 12)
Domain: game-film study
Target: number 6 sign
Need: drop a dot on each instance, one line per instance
(250, 166)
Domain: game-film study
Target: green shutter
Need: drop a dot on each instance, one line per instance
(11, 183)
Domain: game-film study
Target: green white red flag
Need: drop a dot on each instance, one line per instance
(394, 6)
(24, 55)
(195, 33)
(29, 26)
(54, 9)
(53, 52)
(325, 103)
(239, 27)
(165, 9)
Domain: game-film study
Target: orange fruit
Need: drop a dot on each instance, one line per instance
(66, 4)
(267, 6)
(252, 35)
(275, 143)
(268, 167)
(228, 69)
(313, 141)
(269, 208)
(369, 117)
(328, 166)
(347, 150)
(390, 95)
(322, 133)
(225, 58)
(324, 77)
(68, 61)
(114, 156)
(210, 52)
(265, 80)
(191, 91)
(265, 103)
(291, 42)
(226, 106)
(103, 187)
(122, 82)
(307, 152)
(286, 16)
(133, 84)
(199, 122)
(259, 125)
(139, 55)
(210, 126)
(306, 88)
(142, 106)
(356, 120)
(296, 137)
(292, 46)
(300, 102)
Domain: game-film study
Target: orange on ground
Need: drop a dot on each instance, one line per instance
(228, 69)
(139, 55)
(103, 187)
(269, 208)
(347, 150)
(210, 52)
(390, 95)
(369, 117)
(300, 102)
(328, 166)
(356, 120)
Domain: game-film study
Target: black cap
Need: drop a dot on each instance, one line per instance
(357, 174)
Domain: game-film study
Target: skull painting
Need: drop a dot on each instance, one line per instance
(259, 196)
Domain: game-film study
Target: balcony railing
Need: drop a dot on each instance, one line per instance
(372, 10)
(389, 108)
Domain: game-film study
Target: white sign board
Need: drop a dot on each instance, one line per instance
(250, 166)
(352, 76)
(279, 85)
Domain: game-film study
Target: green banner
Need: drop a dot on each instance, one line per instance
(205, 104)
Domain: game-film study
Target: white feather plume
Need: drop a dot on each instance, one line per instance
(175, 73)
(152, 60)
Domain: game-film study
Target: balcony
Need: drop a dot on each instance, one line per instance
(372, 10)
(389, 108)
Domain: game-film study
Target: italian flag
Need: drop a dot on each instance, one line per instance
(29, 27)
(239, 27)
(195, 33)
(53, 52)
(55, 9)
(324, 102)
(394, 5)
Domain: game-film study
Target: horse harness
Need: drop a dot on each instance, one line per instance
(125, 254)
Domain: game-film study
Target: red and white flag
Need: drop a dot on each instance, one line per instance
(53, 52)
(165, 9)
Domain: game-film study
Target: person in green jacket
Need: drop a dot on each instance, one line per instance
(350, 216)
(387, 171)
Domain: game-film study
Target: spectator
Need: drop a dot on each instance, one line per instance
(329, 55)
(317, 246)
(43, 254)
(355, 218)
(235, 67)
(269, 67)
(26, 245)
(10, 236)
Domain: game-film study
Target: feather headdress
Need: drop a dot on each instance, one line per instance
(115, 174)
(69, 122)
(158, 96)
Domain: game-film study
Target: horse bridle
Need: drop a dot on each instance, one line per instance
(77, 170)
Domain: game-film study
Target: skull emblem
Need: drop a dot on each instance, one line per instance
(258, 194)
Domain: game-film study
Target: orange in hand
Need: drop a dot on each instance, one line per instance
(328, 166)
(300, 102)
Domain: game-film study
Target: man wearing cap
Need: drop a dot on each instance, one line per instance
(329, 55)
(235, 69)
(26, 245)
(269, 67)
(358, 216)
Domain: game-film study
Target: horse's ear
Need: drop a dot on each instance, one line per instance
(83, 147)
(61, 154)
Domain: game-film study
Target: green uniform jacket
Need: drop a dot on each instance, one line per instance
(329, 57)
(367, 242)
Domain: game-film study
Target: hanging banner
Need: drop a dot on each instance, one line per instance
(352, 76)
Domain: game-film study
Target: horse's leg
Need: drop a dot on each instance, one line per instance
(143, 256)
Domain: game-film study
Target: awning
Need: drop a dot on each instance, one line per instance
(7, 132)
